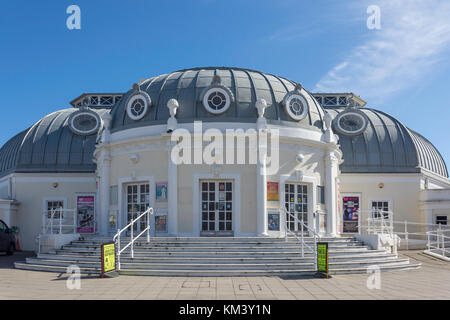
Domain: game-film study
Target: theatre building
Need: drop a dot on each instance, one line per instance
(110, 156)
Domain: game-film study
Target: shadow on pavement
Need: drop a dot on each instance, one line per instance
(7, 262)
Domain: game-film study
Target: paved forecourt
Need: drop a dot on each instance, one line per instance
(431, 281)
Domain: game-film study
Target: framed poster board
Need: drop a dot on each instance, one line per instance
(273, 223)
(85, 213)
(161, 191)
(272, 191)
(350, 213)
(161, 223)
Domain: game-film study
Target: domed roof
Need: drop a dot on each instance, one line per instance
(246, 86)
(387, 146)
(49, 146)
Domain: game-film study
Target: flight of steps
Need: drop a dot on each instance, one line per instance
(218, 256)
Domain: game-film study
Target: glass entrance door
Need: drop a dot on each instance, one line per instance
(296, 203)
(217, 207)
(138, 201)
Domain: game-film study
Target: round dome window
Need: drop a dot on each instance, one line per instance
(84, 122)
(350, 122)
(138, 106)
(216, 100)
(297, 107)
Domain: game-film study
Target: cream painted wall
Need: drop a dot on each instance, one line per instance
(31, 190)
(402, 190)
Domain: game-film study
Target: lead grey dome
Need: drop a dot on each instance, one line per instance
(187, 86)
(50, 146)
(387, 146)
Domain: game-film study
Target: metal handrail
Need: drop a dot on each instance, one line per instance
(49, 221)
(439, 243)
(116, 238)
(301, 239)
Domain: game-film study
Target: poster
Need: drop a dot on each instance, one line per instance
(350, 214)
(161, 192)
(85, 213)
(161, 223)
(273, 221)
(272, 191)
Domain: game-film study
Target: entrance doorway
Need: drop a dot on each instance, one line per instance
(217, 207)
(138, 201)
(296, 203)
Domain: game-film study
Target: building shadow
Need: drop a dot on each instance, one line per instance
(7, 262)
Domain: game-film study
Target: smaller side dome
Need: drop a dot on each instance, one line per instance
(386, 146)
(50, 145)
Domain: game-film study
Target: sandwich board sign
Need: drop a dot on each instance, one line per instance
(108, 257)
(322, 259)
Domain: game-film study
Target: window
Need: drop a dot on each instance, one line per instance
(330, 101)
(138, 106)
(216, 100)
(342, 101)
(54, 208)
(321, 194)
(106, 100)
(350, 123)
(2, 226)
(441, 220)
(296, 106)
(94, 100)
(319, 99)
(84, 122)
(382, 206)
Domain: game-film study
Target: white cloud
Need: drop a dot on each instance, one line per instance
(414, 37)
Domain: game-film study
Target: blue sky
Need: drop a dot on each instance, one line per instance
(402, 69)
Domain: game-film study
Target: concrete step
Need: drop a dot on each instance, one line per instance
(218, 256)
(201, 253)
(80, 244)
(223, 259)
(221, 266)
(209, 249)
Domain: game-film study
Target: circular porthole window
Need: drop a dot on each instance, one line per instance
(138, 105)
(84, 122)
(296, 107)
(350, 122)
(216, 100)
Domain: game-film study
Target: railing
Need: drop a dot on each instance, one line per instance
(59, 221)
(379, 221)
(301, 238)
(133, 238)
(436, 243)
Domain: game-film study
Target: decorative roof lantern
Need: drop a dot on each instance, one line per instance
(173, 105)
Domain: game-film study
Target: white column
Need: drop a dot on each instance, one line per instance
(331, 164)
(172, 192)
(261, 196)
(104, 192)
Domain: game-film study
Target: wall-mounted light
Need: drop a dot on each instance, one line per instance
(55, 185)
(299, 157)
(381, 185)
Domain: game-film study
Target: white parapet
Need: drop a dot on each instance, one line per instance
(49, 242)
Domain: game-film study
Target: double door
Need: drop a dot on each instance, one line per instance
(217, 207)
(138, 201)
(296, 203)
